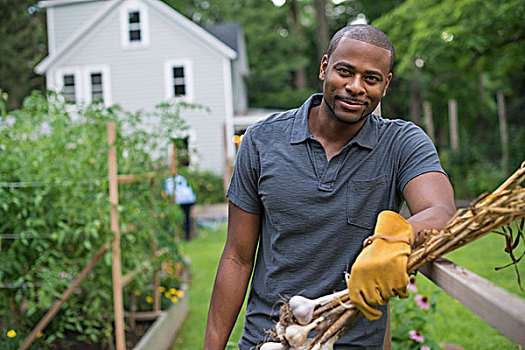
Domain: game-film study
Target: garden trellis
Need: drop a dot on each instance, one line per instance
(119, 281)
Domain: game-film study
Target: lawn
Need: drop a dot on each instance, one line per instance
(204, 251)
(453, 322)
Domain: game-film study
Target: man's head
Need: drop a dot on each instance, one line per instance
(355, 73)
(366, 33)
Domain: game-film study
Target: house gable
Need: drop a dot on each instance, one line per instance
(191, 28)
(180, 57)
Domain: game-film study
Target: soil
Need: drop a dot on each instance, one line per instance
(132, 338)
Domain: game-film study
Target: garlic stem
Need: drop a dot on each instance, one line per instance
(329, 298)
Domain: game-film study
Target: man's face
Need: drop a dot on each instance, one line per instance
(355, 78)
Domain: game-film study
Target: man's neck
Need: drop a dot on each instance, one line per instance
(332, 134)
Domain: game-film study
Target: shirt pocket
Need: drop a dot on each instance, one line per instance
(365, 198)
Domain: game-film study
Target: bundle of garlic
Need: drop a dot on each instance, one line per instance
(328, 317)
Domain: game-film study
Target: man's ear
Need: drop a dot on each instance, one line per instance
(388, 78)
(324, 66)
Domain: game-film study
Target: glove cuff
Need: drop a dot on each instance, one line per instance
(370, 239)
(393, 225)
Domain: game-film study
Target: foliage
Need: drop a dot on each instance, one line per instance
(54, 203)
(411, 319)
(208, 186)
(465, 50)
(22, 30)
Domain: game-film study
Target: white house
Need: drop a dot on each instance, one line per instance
(139, 53)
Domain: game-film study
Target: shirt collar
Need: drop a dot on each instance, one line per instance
(366, 136)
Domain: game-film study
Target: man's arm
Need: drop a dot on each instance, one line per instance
(233, 275)
(430, 199)
(379, 272)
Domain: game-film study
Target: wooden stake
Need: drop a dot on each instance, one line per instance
(156, 282)
(132, 312)
(113, 197)
(56, 306)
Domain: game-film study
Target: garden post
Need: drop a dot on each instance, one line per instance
(113, 197)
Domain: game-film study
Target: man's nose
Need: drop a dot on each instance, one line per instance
(355, 86)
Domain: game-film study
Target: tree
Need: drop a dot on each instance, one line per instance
(22, 29)
(466, 50)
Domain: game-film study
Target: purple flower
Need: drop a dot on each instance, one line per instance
(424, 347)
(416, 336)
(422, 302)
(412, 285)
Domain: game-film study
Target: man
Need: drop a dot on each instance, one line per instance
(307, 190)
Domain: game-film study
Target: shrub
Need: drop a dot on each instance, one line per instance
(208, 186)
(55, 210)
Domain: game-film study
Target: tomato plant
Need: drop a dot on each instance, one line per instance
(54, 209)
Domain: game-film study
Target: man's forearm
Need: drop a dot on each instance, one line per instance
(228, 295)
(431, 218)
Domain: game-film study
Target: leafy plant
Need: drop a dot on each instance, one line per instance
(411, 319)
(55, 211)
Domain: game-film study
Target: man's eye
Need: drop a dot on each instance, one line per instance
(343, 70)
(372, 79)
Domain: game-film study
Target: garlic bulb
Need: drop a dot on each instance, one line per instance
(303, 308)
(296, 335)
(272, 346)
(305, 346)
(279, 329)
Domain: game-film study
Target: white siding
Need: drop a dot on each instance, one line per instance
(68, 19)
(138, 79)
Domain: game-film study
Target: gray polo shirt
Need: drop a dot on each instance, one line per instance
(315, 214)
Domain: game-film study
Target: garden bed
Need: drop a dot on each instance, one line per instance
(161, 334)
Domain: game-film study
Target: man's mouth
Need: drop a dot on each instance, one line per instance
(351, 104)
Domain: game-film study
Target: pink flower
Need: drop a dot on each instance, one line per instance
(412, 284)
(424, 347)
(416, 336)
(422, 302)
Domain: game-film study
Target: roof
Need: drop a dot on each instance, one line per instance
(228, 33)
(191, 28)
(52, 3)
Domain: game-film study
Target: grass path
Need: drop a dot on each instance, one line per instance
(453, 322)
(204, 252)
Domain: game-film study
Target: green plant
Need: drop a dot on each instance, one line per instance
(55, 209)
(411, 319)
(207, 185)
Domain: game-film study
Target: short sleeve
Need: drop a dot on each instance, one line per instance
(417, 156)
(243, 189)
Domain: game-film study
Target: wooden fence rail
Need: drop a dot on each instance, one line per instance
(502, 310)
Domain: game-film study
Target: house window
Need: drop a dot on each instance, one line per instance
(179, 82)
(179, 85)
(97, 88)
(96, 80)
(134, 26)
(69, 88)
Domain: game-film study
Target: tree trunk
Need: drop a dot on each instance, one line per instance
(453, 123)
(503, 131)
(300, 74)
(323, 32)
(429, 123)
(415, 101)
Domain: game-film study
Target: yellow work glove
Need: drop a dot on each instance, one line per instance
(380, 270)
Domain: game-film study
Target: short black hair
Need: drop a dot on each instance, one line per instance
(366, 33)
